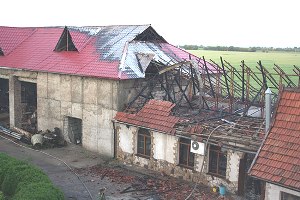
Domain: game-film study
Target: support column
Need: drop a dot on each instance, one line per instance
(15, 108)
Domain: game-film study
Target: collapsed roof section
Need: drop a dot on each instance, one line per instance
(115, 52)
(234, 132)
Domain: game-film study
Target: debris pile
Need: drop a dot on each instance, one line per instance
(156, 187)
(42, 139)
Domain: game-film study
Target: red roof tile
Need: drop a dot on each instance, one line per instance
(100, 50)
(156, 114)
(278, 160)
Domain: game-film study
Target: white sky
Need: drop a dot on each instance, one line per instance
(208, 22)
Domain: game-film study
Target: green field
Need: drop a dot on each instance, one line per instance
(285, 60)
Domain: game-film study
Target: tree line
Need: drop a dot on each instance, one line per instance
(241, 49)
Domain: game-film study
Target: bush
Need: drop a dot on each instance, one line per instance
(38, 191)
(1, 196)
(6, 163)
(20, 180)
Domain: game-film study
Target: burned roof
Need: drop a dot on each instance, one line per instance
(278, 159)
(116, 52)
(232, 131)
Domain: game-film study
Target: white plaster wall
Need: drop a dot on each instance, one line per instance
(273, 192)
(234, 162)
(126, 138)
(163, 147)
(199, 162)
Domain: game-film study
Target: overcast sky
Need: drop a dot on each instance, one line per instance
(241, 23)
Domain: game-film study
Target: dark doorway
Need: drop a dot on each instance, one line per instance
(73, 129)
(4, 102)
(248, 187)
(29, 106)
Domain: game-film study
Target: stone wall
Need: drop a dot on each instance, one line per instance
(164, 158)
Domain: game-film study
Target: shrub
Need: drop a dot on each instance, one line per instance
(22, 181)
(38, 191)
(1, 196)
(12, 179)
(6, 163)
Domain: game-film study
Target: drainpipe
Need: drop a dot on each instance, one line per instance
(268, 95)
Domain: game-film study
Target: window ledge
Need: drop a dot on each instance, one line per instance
(186, 166)
(217, 175)
(143, 156)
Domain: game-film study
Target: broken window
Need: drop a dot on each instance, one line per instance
(186, 157)
(144, 143)
(287, 196)
(217, 161)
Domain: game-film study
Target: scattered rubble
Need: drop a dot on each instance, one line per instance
(42, 139)
(145, 186)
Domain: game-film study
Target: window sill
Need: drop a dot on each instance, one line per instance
(217, 175)
(143, 156)
(186, 166)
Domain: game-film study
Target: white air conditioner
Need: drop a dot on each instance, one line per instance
(197, 147)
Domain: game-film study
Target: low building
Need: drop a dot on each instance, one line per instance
(277, 162)
(206, 147)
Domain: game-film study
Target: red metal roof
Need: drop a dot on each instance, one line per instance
(278, 161)
(100, 50)
(156, 114)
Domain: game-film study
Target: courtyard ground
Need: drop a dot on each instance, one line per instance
(82, 174)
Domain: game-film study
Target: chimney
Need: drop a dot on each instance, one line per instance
(268, 106)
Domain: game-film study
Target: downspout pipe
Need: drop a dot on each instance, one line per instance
(268, 106)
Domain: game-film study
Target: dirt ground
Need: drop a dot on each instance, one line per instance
(82, 174)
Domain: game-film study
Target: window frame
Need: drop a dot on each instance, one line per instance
(146, 136)
(217, 150)
(282, 197)
(190, 161)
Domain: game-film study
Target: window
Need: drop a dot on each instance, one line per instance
(186, 157)
(287, 196)
(217, 161)
(144, 143)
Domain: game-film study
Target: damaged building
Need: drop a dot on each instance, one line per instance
(77, 78)
(199, 123)
(125, 92)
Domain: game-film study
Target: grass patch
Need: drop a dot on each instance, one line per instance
(283, 59)
(20, 180)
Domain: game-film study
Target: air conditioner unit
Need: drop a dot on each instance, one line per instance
(197, 147)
